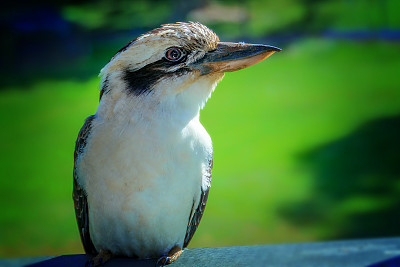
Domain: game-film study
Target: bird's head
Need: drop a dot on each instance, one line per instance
(177, 63)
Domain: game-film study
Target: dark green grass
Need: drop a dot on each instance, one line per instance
(260, 120)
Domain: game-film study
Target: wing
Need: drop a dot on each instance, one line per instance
(79, 194)
(197, 212)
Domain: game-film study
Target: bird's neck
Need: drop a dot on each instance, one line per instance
(159, 106)
(167, 112)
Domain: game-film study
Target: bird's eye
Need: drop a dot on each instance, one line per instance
(174, 54)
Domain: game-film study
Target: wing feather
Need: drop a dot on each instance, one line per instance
(197, 212)
(79, 194)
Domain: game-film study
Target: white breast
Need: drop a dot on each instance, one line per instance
(142, 180)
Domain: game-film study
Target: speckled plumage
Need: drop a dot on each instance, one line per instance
(192, 35)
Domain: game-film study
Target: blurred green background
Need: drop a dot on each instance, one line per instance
(306, 143)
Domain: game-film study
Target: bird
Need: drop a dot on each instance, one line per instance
(143, 161)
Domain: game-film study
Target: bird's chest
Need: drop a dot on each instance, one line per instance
(142, 184)
(144, 158)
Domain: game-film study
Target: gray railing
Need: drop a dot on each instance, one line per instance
(367, 252)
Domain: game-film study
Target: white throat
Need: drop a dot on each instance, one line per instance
(175, 101)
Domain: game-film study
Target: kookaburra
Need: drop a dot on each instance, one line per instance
(143, 162)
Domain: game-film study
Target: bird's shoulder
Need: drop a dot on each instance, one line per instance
(83, 135)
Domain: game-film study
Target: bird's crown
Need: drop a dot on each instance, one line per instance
(190, 35)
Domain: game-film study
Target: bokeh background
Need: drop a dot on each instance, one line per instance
(306, 143)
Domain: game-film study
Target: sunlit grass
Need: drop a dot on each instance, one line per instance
(41, 124)
(260, 120)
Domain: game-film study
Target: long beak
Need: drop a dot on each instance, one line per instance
(233, 56)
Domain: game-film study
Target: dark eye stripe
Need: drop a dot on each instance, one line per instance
(141, 81)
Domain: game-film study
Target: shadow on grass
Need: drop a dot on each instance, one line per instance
(356, 184)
